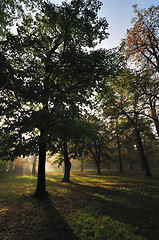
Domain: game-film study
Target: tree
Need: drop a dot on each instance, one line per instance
(67, 134)
(116, 125)
(147, 84)
(142, 49)
(54, 73)
(142, 44)
(127, 101)
(96, 140)
(95, 150)
(129, 106)
(119, 147)
(72, 142)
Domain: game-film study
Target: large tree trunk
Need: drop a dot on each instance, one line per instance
(143, 157)
(41, 183)
(67, 164)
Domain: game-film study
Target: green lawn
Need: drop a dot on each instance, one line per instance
(109, 207)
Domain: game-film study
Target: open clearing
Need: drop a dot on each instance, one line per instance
(109, 207)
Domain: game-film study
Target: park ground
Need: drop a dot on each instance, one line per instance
(112, 206)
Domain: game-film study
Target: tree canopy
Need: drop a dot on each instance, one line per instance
(52, 72)
(143, 38)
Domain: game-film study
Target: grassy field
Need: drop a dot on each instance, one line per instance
(109, 207)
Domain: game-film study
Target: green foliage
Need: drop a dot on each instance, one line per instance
(11, 11)
(7, 143)
(50, 71)
(59, 159)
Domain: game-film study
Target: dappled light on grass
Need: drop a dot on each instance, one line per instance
(28, 218)
(3, 211)
(111, 207)
(93, 207)
(105, 228)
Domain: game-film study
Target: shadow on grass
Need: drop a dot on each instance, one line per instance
(33, 219)
(55, 225)
(114, 209)
(133, 208)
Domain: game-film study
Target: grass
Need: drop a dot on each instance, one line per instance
(109, 207)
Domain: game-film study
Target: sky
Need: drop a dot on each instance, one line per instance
(118, 14)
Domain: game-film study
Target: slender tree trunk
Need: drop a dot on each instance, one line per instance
(67, 163)
(142, 166)
(119, 155)
(130, 164)
(129, 157)
(96, 157)
(41, 183)
(140, 146)
(34, 166)
(108, 164)
(81, 167)
(98, 166)
(154, 114)
(143, 157)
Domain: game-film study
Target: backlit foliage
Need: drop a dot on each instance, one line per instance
(143, 38)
